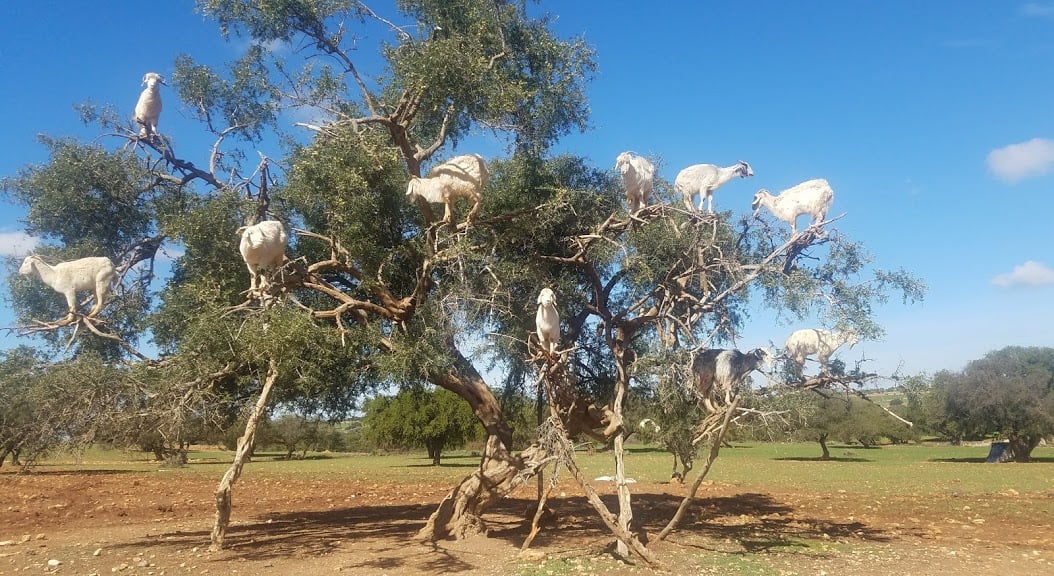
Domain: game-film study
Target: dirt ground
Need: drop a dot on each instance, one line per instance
(116, 522)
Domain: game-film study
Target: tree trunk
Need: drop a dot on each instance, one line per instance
(1021, 447)
(625, 504)
(458, 515)
(609, 519)
(465, 381)
(715, 449)
(435, 450)
(822, 439)
(245, 444)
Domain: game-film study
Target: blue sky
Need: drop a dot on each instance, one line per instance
(933, 122)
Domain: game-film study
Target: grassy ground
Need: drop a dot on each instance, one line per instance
(909, 469)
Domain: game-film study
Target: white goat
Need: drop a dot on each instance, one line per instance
(637, 173)
(723, 370)
(816, 342)
(148, 108)
(647, 424)
(263, 249)
(702, 179)
(68, 278)
(811, 197)
(547, 321)
(460, 177)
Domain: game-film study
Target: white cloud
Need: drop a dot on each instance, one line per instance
(1038, 9)
(17, 244)
(1023, 160)
(1031, 273)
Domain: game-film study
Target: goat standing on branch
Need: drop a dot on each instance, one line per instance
(68, 278)
(148, 108)
(813, 197)
(815, 342)
(263, 249)
(547, 321)
(700, 180)
(723, 370)
(460, 177)
(637, 174)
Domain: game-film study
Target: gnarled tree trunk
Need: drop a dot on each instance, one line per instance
(500, 472)
(1021, 447)
(458, 515)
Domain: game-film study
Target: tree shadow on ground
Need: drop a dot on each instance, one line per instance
(748, 523)
(389, 530)
(757, 522)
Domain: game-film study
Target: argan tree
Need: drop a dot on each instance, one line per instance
(377, 290)
(1008, 393)
(434, 419)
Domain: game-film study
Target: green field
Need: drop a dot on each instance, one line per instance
(888, 470)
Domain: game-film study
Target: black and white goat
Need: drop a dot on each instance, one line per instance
(723, 370)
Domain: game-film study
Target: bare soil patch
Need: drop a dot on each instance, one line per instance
(117, 522)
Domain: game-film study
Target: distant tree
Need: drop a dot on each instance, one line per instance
(1008, 393)
(19, 406)
(924, 400)
(846, 419)
(823, 420)
(294, 432)
(436, 419)
(869, 425)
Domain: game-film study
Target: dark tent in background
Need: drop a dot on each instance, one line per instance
(1000, 452)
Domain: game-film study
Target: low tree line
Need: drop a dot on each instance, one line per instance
(1007, 395)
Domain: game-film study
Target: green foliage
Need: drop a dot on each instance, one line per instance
(292, 433)
(1008, 393)
(246, 102)
(47, 407)
(92, 201)
(852, 419)
(437, 419)
(499, 66)
(842, 289)
(348, 186)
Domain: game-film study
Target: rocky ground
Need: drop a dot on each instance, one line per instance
(153, 523)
